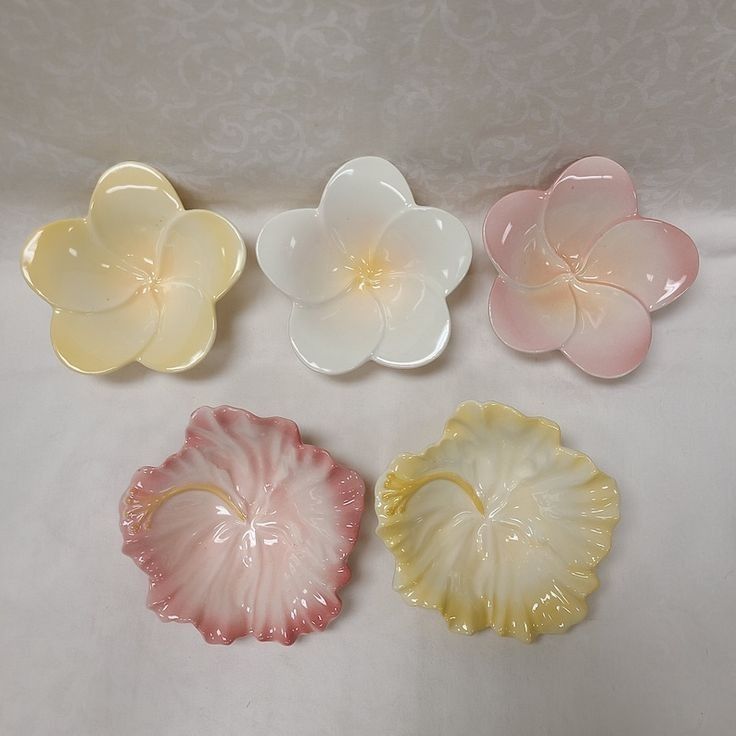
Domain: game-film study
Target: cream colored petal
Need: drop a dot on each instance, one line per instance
(130, 206)
(103, 341)
(185, 332)
(417, 322)
(297, 255)
(360, 200)
(64, 263)
(203, 249)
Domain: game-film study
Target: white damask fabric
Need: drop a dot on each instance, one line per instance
(248, 106)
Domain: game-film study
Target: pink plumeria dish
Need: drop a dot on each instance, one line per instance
(245, 530)
(579, 270)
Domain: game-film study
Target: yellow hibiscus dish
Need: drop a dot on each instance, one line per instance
(137, 278)
(497, 525)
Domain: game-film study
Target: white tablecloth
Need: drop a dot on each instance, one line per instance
(248, 107)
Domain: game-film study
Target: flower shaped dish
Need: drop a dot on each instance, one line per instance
(497, 525)
(137, 278)
(580, 269)
(246, 530)
(368, 271)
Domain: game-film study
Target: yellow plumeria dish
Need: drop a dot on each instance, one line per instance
(498, 525)
(137, 278)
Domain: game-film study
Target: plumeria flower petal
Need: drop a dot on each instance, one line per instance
(368, 271)
(588, 198)
(580, 269)
(515, 241)
(246, 530)
(339, 335)
(137, 278)
(612, 332)
(532, 320)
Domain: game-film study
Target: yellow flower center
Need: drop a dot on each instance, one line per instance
(144, 522)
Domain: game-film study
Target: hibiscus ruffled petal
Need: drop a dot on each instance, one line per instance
(339, 335)
(417, 323)
(64, 263)
(515, 240)
(99, 342)
(186, 329)
(130, 206)
(359, 201)
(203, 249)
(299, 258)
(429, 243)
(588, 198)
(653, 260)
(532, 320)
(268, 561)
(612, 332)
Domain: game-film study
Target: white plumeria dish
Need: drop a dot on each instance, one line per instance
(368, 271)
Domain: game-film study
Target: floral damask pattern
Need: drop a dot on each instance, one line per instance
(470, 99)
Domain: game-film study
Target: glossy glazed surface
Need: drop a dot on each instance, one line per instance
(137, 278)
(580, 269)
(246, 530)
(497, 525)
(368, 271)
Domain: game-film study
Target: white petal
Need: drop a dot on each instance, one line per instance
(339, 335)
(429, 243)
(417, 323)
(359, 201)
(299, 258)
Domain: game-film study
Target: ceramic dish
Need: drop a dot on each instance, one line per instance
(497, 525)
(246, 530)
(368, 271)
(137, 278)
(580, 270)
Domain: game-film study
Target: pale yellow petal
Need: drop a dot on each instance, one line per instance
(202, 249)
(130, 206)
(66, 265)
(99, 342)
(185, 332)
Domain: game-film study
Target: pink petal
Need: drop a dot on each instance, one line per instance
(612, 333)
(532, 320)
(516, 242)
(650, 259)
(266, 559)
(588, 198)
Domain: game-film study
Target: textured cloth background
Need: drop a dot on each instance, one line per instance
(248, 107)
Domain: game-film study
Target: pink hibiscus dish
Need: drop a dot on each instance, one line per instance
(245, 530)
(579, 270)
